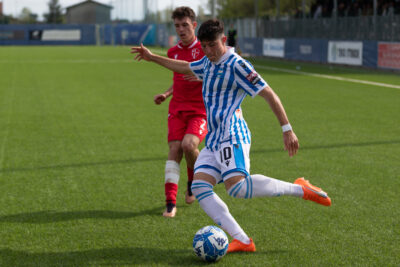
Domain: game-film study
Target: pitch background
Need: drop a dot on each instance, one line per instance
(83, 148)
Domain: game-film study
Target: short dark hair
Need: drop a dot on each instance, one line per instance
(182, 12)
(210, 30)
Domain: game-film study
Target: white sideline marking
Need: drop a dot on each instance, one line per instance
(338, 78)
(330, 77)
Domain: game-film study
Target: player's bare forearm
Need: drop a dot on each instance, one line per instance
(179, 66)
(168, 93)
(175, 65)
(290, 140)
(275, 103)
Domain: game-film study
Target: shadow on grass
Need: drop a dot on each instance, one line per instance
(133, 256)
(108, 256)
(56, 216)
(132, 161)
(83, 164)
(331, 146)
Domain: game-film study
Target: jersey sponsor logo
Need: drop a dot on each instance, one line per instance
(253, 77)
(195, 53)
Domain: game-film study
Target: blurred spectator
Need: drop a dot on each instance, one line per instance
(342, 9)
(298, 14)
(318, 11)
(388, 9)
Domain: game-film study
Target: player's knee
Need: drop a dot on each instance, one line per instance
(242, 189)
(189, 147)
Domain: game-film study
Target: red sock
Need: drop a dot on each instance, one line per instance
(190, 180)
(190, 174)
(171, 190)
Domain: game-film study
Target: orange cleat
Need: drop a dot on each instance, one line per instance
(313, 193)
(170, 211)
(237, 246)
(189, 199)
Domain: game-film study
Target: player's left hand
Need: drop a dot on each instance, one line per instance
(291, 143)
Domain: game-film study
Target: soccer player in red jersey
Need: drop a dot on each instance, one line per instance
(187, 124)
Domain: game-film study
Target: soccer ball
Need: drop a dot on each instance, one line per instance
(210, 243)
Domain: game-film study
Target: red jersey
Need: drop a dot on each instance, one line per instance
(186, 96)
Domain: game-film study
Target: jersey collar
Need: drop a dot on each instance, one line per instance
(228, 53)
(181, 46)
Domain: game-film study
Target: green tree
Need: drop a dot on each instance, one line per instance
(246, 8)
(27, 16)
(55, 14)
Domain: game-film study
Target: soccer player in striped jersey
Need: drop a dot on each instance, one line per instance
(227, 79)
(187, 124)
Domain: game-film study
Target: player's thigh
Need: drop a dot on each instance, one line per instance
(176, 127)
(204, 177)
(206, 164)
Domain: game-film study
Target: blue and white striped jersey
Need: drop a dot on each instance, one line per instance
(225, 84)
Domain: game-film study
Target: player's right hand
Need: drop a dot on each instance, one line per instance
(142, 53)
(291, 143)
(158, 99)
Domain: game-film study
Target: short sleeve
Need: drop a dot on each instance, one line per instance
(169, 53)
(248, 79)
(197, 67)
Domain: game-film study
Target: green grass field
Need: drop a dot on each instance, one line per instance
(83, 149)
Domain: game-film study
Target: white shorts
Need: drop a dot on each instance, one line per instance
(228, 161)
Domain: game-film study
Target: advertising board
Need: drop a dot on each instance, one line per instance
(349, 53)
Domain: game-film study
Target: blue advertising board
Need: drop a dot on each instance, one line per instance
(314, 50)
(251, 46)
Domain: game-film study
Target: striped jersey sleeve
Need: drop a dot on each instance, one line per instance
(197, 67)
(248, 79)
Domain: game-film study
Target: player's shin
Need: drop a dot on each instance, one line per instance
(258, 185)
(217, 210)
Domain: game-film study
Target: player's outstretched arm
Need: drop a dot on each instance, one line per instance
(179, 66)
(158, 99)
(289, 137)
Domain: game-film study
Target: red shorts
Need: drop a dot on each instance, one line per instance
(182, 123)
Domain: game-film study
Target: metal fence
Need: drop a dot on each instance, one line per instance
(379, 28)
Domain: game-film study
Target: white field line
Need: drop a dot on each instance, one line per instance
(338, 78)
(130, 60)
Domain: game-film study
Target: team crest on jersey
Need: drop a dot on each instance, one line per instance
(220, 72)
(195, 53)
(253, 77)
